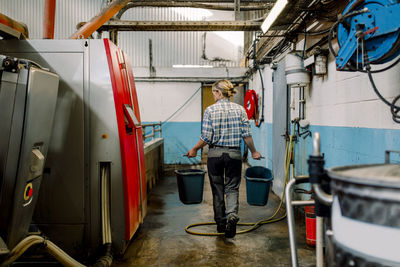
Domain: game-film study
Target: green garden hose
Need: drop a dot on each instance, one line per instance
(272, 219)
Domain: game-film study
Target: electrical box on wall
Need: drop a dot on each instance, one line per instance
(318, 61)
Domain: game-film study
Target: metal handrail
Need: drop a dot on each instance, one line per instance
(155, 128)
(290, 215)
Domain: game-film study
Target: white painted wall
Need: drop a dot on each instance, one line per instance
(340, 98)
(255, 84)
(177, 91)
(205, 74)
(347, 99)
(263, 135)
(224, 45)
(158, 101)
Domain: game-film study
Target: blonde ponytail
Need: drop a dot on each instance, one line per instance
(226, 87)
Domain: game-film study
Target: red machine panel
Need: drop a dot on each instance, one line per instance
(130, 135)
(139, 136)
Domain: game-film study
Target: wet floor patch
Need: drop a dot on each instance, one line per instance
(162, 240)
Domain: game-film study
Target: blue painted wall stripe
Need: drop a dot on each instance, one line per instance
(341, 145)
(349, 145)
(179, 137)
(262, 137)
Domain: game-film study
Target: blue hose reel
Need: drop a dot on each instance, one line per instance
(375, 22)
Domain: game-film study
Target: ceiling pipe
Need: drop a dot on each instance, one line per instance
(225, 7)
(104, 15)
(49, 18)
(124, 25)
(212, 1)
(10, 28)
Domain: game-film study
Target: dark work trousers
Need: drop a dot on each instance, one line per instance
(225, 170)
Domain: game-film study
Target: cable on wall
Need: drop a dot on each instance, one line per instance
(258, 124)
(184, 104)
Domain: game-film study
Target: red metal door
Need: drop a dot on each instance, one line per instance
(131, 144)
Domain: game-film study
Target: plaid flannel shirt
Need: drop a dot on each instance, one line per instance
(225, 124)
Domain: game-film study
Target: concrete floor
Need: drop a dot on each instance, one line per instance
(162, 241)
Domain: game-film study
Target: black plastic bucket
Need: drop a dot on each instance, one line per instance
(190, 185)
(258, 184)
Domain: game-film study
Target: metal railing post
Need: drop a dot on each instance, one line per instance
(153, 132)
(290, 215)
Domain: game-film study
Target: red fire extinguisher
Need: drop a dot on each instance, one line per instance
(310, 226)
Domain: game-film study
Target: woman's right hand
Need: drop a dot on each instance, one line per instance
(192, 153)
(256, 155)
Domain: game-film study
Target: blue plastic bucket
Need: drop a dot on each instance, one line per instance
(190, 185)
(258, 184)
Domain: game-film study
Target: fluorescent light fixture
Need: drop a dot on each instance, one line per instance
(273, 14)
(192, 66)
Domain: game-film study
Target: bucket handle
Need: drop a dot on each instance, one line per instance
(259, 179)
(191, 173)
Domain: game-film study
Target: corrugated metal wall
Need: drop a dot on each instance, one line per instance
(249, 37)
(168, 48)
(29, 12)
(68, 14)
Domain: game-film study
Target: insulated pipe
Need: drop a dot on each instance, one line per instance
(107, 258)
(319, 243)
(59, 254)
(290, 218)
(98, 20)
(316, 145)
(302, 103)
(51, 248)
(48, 19)
(105, 205)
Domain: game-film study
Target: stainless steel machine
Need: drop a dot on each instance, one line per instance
(94, 186)
(28, 95)
(366, 214)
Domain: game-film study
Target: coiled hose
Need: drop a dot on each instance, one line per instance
(288, 160)
(394, 109)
